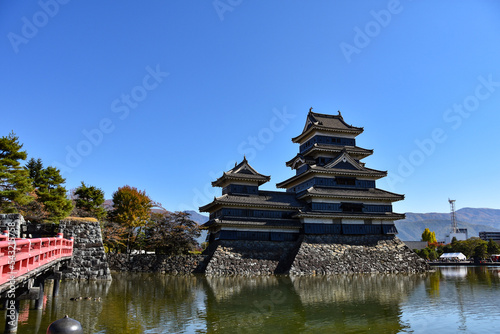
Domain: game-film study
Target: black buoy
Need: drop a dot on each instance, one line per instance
(65, 325)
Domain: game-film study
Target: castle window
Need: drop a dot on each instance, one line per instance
(345, 181)
(352, 207)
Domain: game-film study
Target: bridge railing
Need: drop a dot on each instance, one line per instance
(19, 256)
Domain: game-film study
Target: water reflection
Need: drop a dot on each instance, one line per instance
(145, 303)
(453, 272)
(455, 299)
(449, 300)
(349, 304)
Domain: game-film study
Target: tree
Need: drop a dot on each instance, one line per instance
(49, 190)
(481, 251)
(34, 211)
(433, 255)
(172, 233)
(89, 201)
(114, 236)
(35, 169)
(493, 247)
(131, 209)
(15, 184)
(429, 236)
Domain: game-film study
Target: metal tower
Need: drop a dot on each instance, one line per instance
(454, 228)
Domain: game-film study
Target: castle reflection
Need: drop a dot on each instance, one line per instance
(354, 303)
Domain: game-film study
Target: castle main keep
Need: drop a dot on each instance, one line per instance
(331, 208)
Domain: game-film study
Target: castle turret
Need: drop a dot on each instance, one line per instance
(245, 212)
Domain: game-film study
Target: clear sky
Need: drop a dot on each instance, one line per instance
(165, 95)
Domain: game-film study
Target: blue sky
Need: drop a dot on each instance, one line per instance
(165, 95)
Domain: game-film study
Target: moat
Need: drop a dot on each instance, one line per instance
(449, 300)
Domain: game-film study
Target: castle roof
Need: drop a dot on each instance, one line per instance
(342, 165)
(265, 199)
(242, 172)
(248, 221)
(351, 194)
(334, 215)
(323, 122)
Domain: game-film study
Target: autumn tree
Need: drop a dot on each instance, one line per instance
(114, 237)
(429, 236)
(15, 185)
(172, 233)
(131, 209)
(89, 202)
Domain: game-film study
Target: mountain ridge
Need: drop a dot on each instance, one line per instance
(474, 219)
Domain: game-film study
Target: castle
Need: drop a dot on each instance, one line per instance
(331, 200)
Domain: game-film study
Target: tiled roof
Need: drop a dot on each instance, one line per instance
(385, 216)
(284, 223)
(346, 193)
(352, 150)
(241, 172)
(328, 123)
(265, 199)
(307, 160)
(335, 172)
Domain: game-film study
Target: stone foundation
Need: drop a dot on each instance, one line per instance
(310, 255)
(250, 257)
(89, 259)
(345, 254)
(181, 264)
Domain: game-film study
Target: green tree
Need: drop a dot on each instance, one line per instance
(49, 190)
(493, 247)
(172, 233)
(424, 253)
(35, 170)
(131, 209)
(468, 247)
(15, 185)
(481, 251)
(429, 236)
(433, 255)
(89, 202)
(52, 194)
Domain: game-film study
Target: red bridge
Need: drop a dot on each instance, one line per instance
(25, 263)
(20, 257)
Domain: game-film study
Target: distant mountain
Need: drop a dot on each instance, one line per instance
(474, 219)
(200, 219)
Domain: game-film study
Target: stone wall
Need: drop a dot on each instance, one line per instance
(310, 255)
(12, 222)
(349, 254)
(230, 257)
(180, 264)
(89, 259)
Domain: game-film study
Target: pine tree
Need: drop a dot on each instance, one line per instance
(15, 184)
(52, 194)
(35, 169)
(89, 201)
